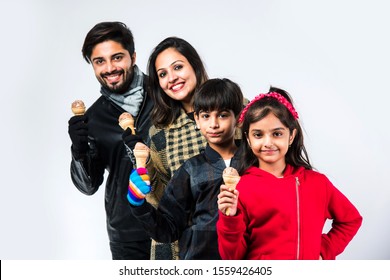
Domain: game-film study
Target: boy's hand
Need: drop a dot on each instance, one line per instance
(139, 186)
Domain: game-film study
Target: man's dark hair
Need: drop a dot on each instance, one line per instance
(104, 31)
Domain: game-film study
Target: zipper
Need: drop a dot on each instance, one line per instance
(298, 217)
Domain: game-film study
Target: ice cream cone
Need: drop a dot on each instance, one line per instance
(230, 178)
(141, 154)
(126, 120)
(78, 107)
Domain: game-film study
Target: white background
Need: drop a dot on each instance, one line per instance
(332, 56)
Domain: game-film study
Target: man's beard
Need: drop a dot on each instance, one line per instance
(115, 88)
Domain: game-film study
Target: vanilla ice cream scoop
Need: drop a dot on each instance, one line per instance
(126, 120)
(230, 178)
(78, 107)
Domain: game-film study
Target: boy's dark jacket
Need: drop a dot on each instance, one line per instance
(188, 210)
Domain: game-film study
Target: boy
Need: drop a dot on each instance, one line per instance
(188, 210)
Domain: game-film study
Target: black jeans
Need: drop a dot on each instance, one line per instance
(137, 250)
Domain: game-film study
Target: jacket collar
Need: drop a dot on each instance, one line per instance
(290, 171)
(182, 120)
(213, 156)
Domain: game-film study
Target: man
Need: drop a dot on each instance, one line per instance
(99, 143)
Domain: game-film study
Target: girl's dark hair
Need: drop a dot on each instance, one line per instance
(220, 95)
(166, 110)
(296, 155)
(104, 31)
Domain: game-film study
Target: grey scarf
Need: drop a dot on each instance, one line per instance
(131, 100)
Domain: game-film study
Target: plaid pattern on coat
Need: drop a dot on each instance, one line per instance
(169, 148)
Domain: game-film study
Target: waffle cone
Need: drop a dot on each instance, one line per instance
(230, 178)
(141, 154)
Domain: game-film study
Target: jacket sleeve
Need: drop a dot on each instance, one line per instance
(346, 222)
(232, 237)
(166, 223)
(87, 173)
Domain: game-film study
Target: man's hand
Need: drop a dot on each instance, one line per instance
(78, 132)
(130, 139)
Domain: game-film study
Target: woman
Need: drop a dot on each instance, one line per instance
(175, 72)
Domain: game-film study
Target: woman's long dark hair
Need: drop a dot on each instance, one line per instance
(296, 155)
(166, 110)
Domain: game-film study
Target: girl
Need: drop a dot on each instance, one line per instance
(280, 205)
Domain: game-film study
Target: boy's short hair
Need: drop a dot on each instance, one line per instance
(219, 94)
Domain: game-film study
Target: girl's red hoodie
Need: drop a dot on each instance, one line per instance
(283, 218)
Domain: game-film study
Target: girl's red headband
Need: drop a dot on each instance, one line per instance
(275, 95)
